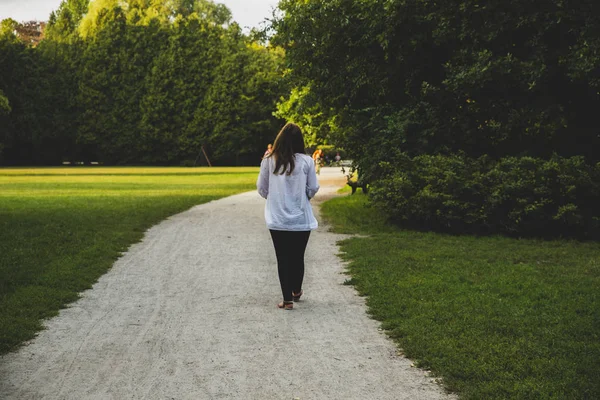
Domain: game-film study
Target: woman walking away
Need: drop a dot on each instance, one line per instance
(288, 181)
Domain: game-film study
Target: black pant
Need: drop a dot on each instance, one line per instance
(289, 249)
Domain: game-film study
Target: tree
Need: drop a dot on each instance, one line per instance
(31, 32)
(496, 78)
(63, 23)
(234, 116)
(4, 109)
(318, 124)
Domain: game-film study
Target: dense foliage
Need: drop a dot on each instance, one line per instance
(521, 195)
(138, 82)
(414, 77)
(491, 78)
(60, 230)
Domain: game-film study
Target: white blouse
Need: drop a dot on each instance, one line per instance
(288, 197)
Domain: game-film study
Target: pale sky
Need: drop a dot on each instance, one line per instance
(248, 13)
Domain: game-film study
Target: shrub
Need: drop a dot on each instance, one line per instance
(515, 195)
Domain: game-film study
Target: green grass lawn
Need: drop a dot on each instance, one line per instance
(494, 317)
(62, 228)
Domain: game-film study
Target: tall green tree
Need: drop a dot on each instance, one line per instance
(236, 114)
(498, 78)
(8, 27)
(20, 134)
(318, 123)
(64, 22)
(176, 84)
(138, 81)
(112, 70)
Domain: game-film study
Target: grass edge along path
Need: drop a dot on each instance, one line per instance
(62, 228)
(493, 317)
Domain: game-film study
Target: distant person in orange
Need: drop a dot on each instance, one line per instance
(268, 151)
(318, 159)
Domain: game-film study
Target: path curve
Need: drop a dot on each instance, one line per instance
(189, 313)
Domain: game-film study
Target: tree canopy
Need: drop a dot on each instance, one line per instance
(435, 100)
(496, 77)
(138, 82)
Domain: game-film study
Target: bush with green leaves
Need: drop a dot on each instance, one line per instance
(514, 195)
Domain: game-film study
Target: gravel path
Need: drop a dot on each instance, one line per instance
(190, 313)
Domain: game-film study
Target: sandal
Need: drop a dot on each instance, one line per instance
(286, 305)
(296, 297)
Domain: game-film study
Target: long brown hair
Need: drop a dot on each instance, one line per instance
(288, 142)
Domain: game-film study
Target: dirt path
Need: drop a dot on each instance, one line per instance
(189, 313)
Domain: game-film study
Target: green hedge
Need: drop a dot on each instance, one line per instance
(515, 195)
